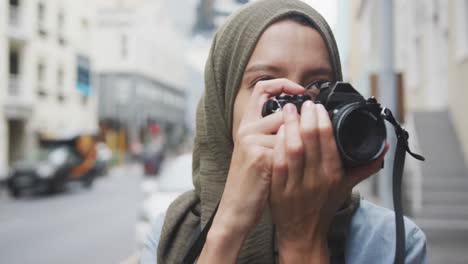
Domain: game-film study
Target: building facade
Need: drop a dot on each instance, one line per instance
(46, 74)
(430, 50)
(3, 85)
(458, 68)
(430, 54)
(142, 72)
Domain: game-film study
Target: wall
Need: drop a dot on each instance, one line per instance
(70, 114)
(3, 87)
(458, 72)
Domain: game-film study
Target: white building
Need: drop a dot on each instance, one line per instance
(140, 59)
(45, 73)
(3, 85)
(430, 52)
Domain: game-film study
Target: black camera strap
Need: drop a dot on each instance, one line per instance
(398, 165)
(400, 153)
(197, 246)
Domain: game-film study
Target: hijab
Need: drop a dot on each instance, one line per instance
(230, 52)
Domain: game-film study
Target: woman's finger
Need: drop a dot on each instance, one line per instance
(310, 134)
(263, 90)
(280, 166)
(267, 125)
(328, 150)
(280, 85)
(356, 175)
(294, 146)
(266, 141)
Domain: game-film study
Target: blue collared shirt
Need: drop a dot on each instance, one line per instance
(371, 238)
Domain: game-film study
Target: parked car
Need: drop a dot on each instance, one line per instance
(175, 178)
(57, 162)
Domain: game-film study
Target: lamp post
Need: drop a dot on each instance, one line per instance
(388, 93)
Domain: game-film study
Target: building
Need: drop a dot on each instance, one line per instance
(430, 54)
(142, 72)
(46, 73)
(3, 85)
(457, 32)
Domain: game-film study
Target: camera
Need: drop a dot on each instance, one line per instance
(358, 125)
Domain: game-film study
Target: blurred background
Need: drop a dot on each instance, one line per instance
(98, 99)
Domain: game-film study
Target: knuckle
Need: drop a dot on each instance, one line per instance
(245, 139)
(295, 149)
(333, 176)
(333, 180)
(280, 166)
(257, 155)
(326, 130)
(309, 131)
(241, 134)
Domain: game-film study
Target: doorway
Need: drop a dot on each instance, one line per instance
(16, 140)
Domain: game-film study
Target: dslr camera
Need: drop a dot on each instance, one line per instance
(358, 124)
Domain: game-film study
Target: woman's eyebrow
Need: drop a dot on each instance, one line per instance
(320, 71)
(262, 67)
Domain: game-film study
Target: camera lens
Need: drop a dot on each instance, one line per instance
(360, 134)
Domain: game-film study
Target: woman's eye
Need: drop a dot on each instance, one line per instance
(315, 84)
(313, 88)
(263, 78)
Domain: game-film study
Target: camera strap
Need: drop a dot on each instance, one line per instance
(198, 243)
(398, 165)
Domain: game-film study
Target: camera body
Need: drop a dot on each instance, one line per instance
(358, 126)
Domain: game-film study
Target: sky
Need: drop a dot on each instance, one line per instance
(328, 9)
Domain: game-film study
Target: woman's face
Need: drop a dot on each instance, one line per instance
(288, 50)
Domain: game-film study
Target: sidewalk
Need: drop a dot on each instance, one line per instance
(447, 244)
(3, 190)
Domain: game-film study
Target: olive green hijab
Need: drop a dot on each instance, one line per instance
(230, 52)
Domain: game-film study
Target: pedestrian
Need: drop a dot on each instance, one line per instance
(284, 195)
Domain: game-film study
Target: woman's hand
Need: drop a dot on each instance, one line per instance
(308, 183)
(248, 182)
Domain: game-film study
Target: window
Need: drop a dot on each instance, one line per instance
(41, 19)
(41, 79)
(461, 30)
(14, 62)
(124, 46)
(60, 84)
(61, 25)
(14, 15)
(14, 71)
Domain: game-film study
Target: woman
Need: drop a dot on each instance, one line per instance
(282, 189)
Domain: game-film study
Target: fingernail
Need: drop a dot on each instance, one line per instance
(289, 108)
(320, 107)
(308, 104)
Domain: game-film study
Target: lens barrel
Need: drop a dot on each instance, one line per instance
(359, 132)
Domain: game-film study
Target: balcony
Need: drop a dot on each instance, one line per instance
(16, 26)
(18, 104)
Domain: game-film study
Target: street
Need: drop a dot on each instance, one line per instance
(99, 225)
(77, 226)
